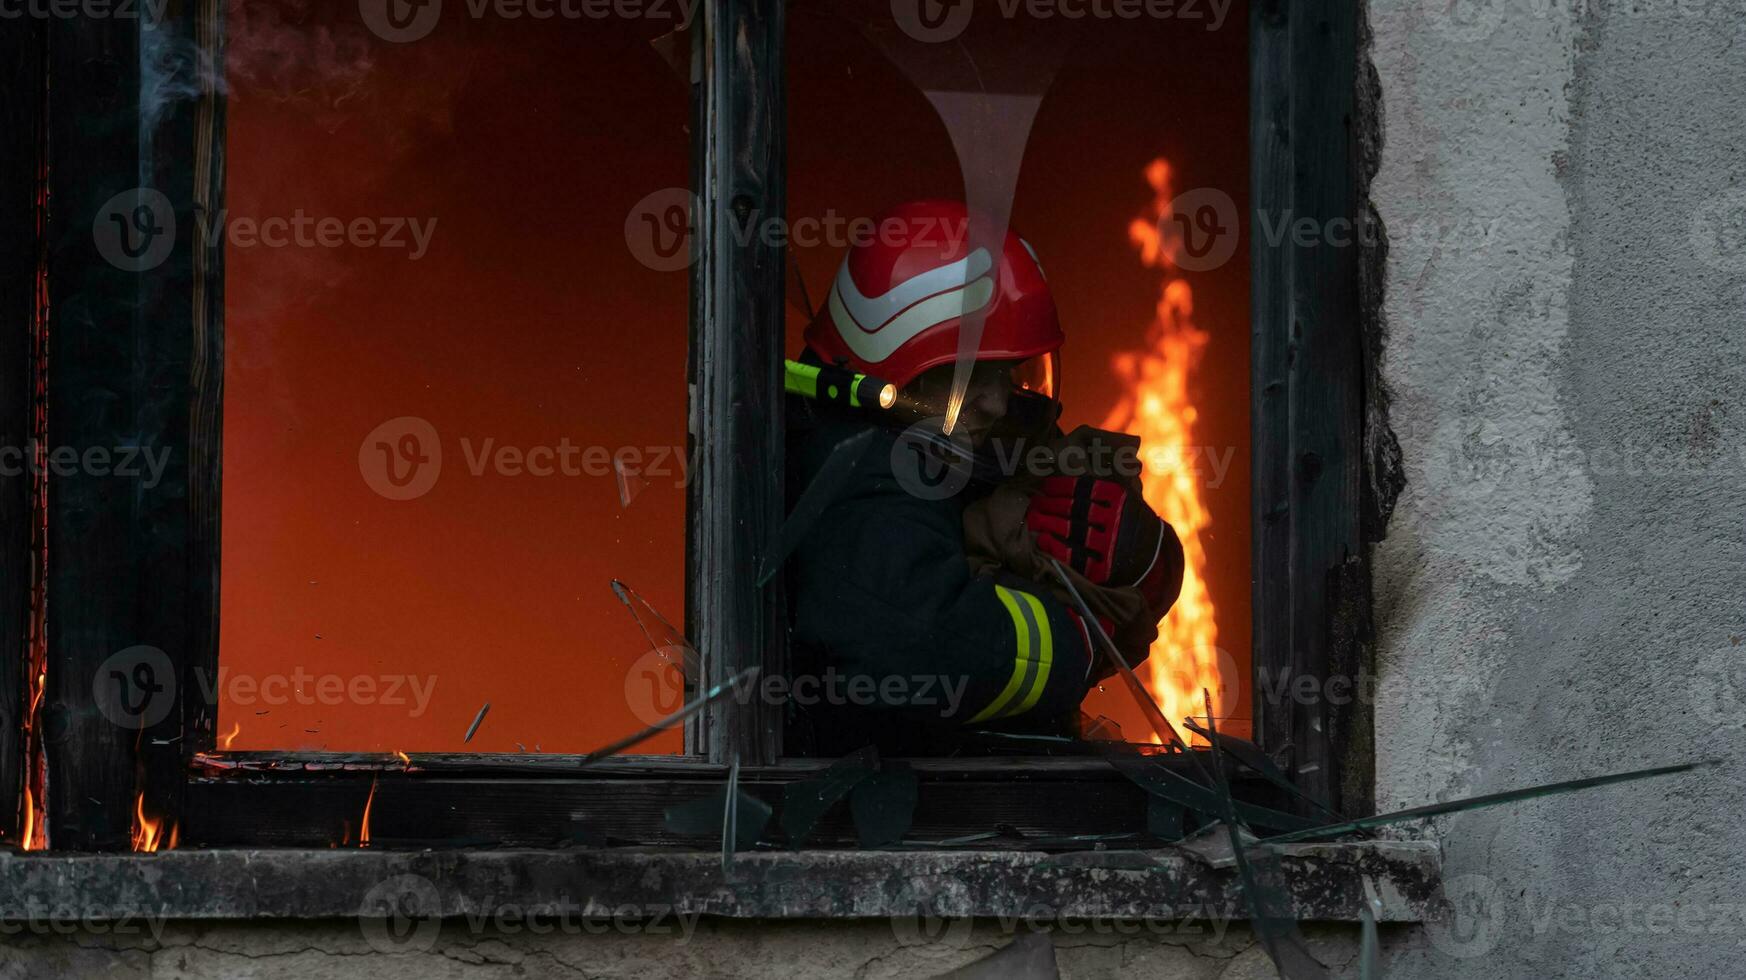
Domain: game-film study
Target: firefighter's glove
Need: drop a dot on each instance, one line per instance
(1104, 530)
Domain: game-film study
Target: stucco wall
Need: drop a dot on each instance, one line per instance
(1561, 590)
(863, 950)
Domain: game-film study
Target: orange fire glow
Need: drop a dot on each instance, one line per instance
(364, 826)
(148, 833)
(1158, 409)
(27, 835)
(227, 739)
(33, 833)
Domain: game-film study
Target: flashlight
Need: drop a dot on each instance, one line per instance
(834, 384)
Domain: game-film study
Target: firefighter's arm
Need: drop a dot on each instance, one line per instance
(888, 592)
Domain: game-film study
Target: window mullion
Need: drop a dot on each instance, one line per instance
(735, 501)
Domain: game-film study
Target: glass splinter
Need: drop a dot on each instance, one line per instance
(662, 637)
(629, 484)
(1263, 885)
(715, 694)
(477, 720)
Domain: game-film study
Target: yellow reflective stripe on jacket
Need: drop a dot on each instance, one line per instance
(1036, 654)
(1045, 655)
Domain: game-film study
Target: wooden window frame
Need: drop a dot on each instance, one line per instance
(140, 357)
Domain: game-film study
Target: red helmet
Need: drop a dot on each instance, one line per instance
(896, 303)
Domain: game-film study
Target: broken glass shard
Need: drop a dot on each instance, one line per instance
(662, 636)
(883, 805)
(805, 802)
(630, 484)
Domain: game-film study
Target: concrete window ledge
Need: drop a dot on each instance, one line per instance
(1326, 882)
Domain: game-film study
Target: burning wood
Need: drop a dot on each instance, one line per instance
(149, 834)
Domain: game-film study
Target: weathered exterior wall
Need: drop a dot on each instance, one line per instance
(1564, 185)
(863, 950)
(1560, 593)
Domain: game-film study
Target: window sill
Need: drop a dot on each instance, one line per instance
(1326, 883)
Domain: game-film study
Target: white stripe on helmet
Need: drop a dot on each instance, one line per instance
(874, 327)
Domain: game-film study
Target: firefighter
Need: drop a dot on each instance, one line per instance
(922, 602)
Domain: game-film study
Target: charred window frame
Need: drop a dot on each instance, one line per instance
(137, 360)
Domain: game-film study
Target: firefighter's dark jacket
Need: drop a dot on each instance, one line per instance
(885, 611)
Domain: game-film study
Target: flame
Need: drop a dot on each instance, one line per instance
(225, 740)
(33, 822)
(364, 827)
(28, 832)
(148, 833)
(1158, 409)
(404, 758)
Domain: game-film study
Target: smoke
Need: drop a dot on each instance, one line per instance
(172, 69)
(278, 51)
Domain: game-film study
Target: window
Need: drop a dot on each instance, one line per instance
(479, 346)
(161, 358)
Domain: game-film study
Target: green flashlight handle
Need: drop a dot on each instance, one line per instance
(823, 382)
